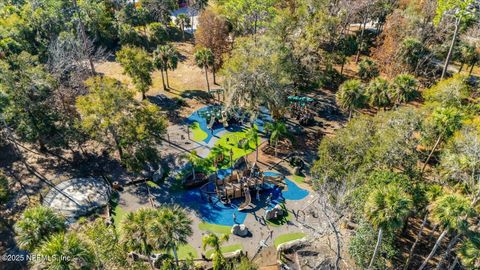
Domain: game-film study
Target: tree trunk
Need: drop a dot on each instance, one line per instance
(434, 249)
(452, 243)
(214, 75)
(431, 152)
(117, 143)
(471, 70)
(166, 77)
(193, 172)
(454, 264)
(417, 239)
(206, 77)
(163, 81)
(256, 150)
(461, 67)
(175, 255)
(363, 26)
(452, 45)
(143, 96)
(377, 247)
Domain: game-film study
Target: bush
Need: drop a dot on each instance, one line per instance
(367, 70)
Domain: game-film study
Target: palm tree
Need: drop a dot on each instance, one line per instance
(65, 251)
(136, 234)
(450, 212)
(351, 96)
(469, 252)
(252, 137)
(212, 240)
(204, 59)
(277, 131)
(403, 89)
(447, 121)
(193, 158)
(35, 225)
(182, 21)
(377, 93)
(218, 154)
(174, 226)
(386, 208)
(165, 58)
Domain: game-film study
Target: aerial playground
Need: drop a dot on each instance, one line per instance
(241, 188)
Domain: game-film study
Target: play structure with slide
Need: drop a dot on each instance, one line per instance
(240, 184)
(219, 114)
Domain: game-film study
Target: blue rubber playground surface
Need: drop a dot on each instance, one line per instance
(216, 212)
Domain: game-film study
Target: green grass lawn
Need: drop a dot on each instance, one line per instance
(118, 213)
(225, 249)
(152, 184)
(198, 133)
(214, 228)
(297, 178)
(184, 252)
(284, 238)
(230, 141)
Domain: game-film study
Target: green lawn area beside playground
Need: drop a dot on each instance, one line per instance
(284, 238)
(118, 214)
(230, 141)
(186, 251)
(225, 249)
(198, 133)
(214, 228)
(297, 179)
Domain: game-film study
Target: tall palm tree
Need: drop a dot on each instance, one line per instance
(165, 58)
(386, 208)
(212, 240)
(218, 154)
(277, 130)
(403, 89)
(252, 137)
(193, 158)
(351, 96)
(377, 93)
(450, 211)
(447, 121)
(174, 226)
(182, 21)
(35, 225)
(204, 60)
(136, 234)
(65, 251)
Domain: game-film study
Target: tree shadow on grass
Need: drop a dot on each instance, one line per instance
(171, 106)
(200, 95)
